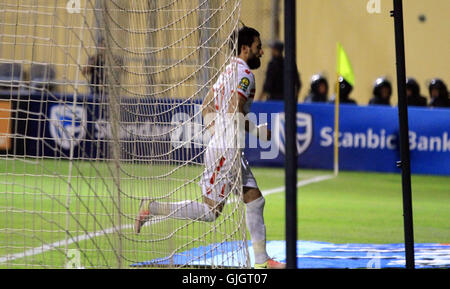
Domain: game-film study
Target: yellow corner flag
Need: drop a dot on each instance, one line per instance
(344, 68)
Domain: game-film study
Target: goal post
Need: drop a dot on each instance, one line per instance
(103, 109)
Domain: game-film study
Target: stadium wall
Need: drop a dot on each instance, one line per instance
(31, 33)
(45, 32)
(367, 38)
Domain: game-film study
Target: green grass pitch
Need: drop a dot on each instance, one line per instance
(355, 207)
(358, 207)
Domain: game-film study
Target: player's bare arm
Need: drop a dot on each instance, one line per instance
(208, 110)
(261, 131)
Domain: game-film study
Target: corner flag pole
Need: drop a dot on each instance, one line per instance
(336, 119)
(343, 69)
(290, 110)
(404, 164)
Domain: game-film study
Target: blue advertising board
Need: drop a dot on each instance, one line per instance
(157, 130)
(61, 126)
(56, 126)
(368, 138)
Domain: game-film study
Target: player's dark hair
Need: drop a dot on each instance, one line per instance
(246, 36)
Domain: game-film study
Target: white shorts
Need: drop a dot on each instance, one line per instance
(219, 175)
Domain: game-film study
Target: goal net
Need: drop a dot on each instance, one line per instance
(100, 107)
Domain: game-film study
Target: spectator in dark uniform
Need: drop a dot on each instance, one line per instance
(413, 96)
(345, 89)
(95, 71)
(382, 92)
(319, 89)
(274, 82)
(438, 93)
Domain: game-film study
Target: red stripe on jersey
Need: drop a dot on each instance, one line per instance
(211, 181)
(222, 195)
(241, 94)
(213, 177)
(222, 160)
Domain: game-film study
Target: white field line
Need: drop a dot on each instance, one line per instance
(299, 184)
(48, 247)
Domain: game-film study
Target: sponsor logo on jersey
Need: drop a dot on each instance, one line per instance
(244, 84)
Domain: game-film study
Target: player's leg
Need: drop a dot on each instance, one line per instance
(215, 189)
(255, 202)
(207, 211)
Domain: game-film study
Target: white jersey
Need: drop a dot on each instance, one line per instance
(216, 181)
(226, 85)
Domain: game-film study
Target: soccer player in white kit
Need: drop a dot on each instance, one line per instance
(217, 177)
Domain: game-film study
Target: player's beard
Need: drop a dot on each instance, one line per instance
(254, 62)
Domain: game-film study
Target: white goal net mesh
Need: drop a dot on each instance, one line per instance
(100, 107)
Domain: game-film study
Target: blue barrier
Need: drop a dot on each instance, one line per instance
(46, 121)
(368, 138)
(54, 125)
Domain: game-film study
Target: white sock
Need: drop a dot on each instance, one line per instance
(257, 229)
(187, 210)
